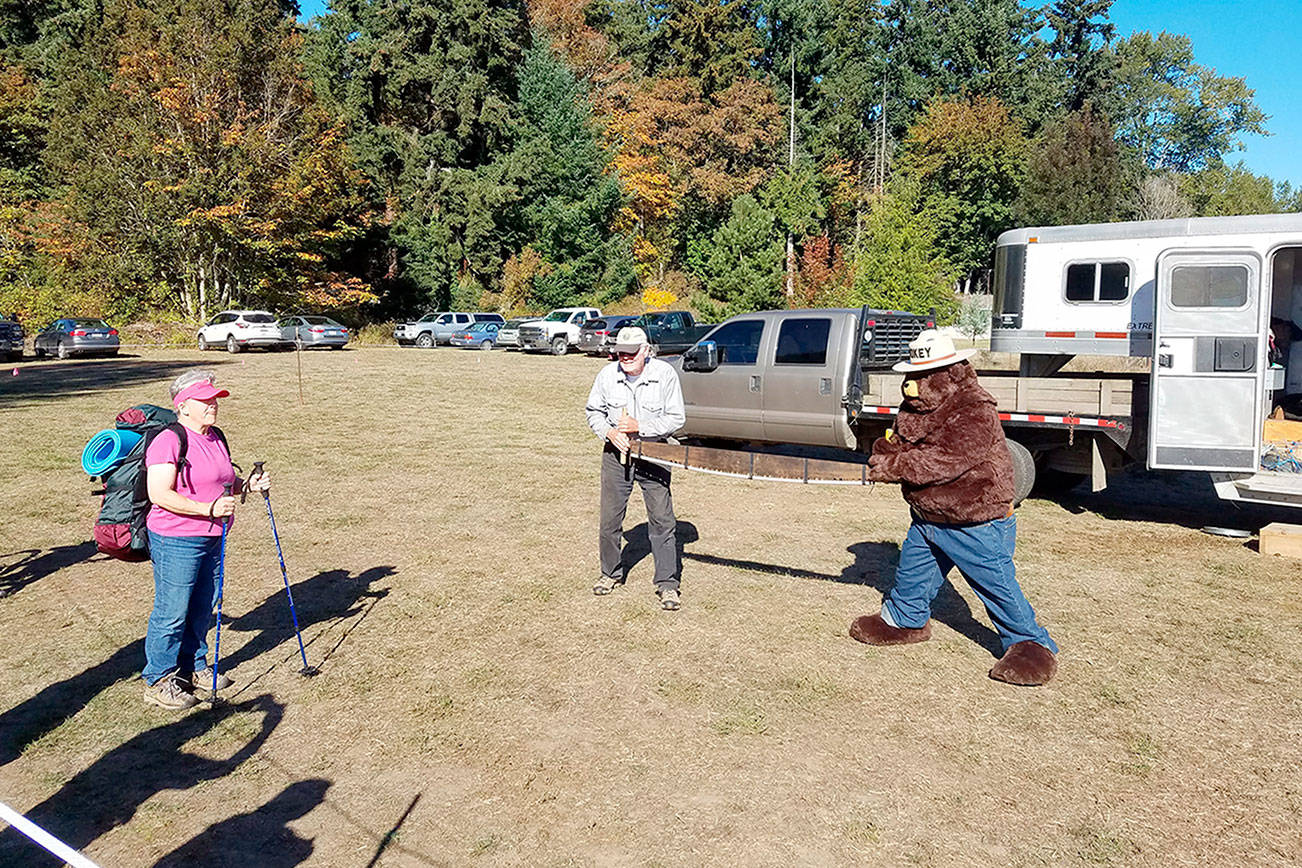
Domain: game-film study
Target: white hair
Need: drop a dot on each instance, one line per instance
(189, 378)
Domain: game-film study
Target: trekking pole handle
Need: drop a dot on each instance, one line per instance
(258, 471)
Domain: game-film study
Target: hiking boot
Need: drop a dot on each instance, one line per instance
(605, 585)
(168, 693)
(669, 599)
(203, 680)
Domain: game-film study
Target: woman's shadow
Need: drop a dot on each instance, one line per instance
(873, 566)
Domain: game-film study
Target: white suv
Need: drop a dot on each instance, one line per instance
(237, 329)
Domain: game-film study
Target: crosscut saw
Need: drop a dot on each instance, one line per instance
(744, 464)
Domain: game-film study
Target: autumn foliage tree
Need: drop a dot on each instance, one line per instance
(197, 157)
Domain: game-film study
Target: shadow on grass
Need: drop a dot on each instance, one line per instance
(873, 566)
(47, 710)
(109, 792)
(261, 837)
(332, 595)
(1185, 498)
(56, 380)
(32, 565)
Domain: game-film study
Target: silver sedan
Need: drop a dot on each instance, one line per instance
(74, 336)
(313, 331)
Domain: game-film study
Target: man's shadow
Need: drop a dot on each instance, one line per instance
(110, 791)
(873, 566)
(329, 595)
(22, 568)
(261, 837)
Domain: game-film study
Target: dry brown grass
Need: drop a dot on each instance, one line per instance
(540, 725)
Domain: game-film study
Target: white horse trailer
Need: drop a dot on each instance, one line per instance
(1215, 303)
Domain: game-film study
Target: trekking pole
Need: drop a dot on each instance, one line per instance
(221, 580)
(306, 671)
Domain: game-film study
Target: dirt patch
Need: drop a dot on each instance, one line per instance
(477, 704)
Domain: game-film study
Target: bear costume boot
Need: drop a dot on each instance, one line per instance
(872, 630)
(1028, 664)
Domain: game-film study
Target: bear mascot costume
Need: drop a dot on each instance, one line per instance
(949, 456)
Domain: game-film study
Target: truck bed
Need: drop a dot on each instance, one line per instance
(1085, 394)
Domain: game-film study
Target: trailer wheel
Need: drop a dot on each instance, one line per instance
(1023, 471)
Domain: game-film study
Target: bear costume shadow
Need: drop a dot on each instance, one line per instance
(874, 566)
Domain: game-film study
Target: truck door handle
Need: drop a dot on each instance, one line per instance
(754, 383)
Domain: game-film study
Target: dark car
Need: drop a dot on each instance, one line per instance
(597, 336)
(11, 338)
(73, 336)
(313, 331)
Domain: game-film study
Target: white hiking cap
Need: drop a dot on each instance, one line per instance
(931, 350)
(630, 340)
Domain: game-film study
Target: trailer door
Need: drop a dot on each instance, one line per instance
(1209, 358)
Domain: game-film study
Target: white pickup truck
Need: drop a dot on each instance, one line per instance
(558, 331)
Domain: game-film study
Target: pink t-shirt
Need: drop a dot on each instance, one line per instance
(207, 468)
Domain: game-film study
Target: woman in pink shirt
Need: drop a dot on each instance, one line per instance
(185, 530)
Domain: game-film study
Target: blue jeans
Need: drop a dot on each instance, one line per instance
(983, 553)
(185, 585)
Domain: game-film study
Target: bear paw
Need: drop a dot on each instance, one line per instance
(1029, 664)
(872, 630)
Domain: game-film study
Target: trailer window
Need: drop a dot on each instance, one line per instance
(739, 341)
(803, 342)
(1209, 286)
(1098, 281)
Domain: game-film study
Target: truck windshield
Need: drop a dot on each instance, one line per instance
(558, 316)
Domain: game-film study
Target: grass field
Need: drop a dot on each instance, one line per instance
(477, 705)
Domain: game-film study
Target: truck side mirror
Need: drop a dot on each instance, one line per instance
(702, 357)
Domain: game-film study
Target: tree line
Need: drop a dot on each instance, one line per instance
(397, 155)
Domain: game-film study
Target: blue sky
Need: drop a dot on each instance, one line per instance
(1258, 41)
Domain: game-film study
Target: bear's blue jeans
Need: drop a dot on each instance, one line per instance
(983, 553)
(185, 582)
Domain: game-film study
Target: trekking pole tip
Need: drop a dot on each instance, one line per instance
(309, 671)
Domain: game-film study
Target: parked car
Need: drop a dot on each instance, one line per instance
(73, 336)
(314, 331)
(11, 338)
(240, 329)
(558, 331)
(437, 328)
(482, 335)
(508, 336)
(672, 331)
(597, 336)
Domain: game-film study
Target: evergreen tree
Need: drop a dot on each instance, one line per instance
(568, 201)
(744, 269)
(428, 90)
(899, 264)
(1079, 49)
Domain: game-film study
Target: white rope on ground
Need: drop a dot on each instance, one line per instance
(44, 838)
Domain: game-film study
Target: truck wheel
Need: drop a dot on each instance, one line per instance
(560, 345)
(425, 340)
(1023, 471)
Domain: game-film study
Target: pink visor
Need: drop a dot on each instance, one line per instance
(204, 391)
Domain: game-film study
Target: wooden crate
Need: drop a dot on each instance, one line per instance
(1279, 538)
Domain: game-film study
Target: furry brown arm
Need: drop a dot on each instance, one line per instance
(962, 440)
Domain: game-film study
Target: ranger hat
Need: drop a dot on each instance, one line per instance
(931, 350)
(630, 340)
